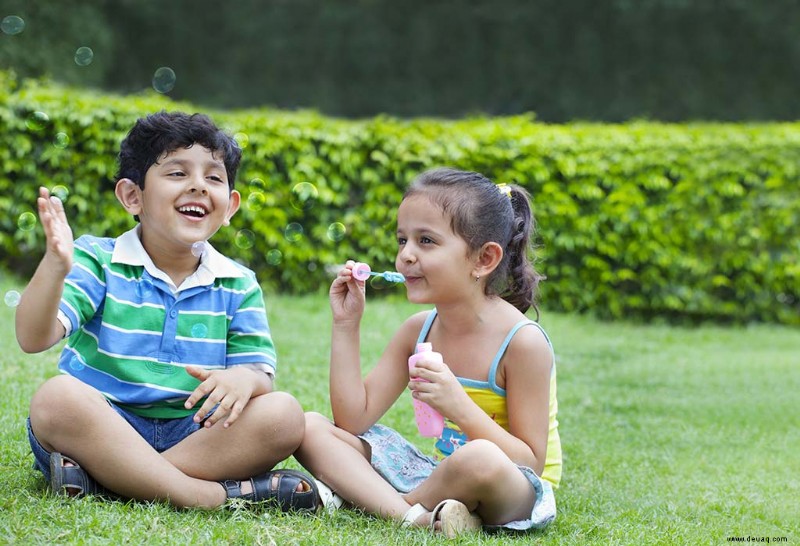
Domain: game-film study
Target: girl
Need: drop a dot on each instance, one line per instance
(463, 247)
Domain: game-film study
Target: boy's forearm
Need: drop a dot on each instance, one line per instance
(264, 383)
(36, 322)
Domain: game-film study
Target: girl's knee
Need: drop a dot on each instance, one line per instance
(317, 423)
(320, 433)
(481, 459)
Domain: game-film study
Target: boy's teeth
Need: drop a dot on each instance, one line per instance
(198, 210)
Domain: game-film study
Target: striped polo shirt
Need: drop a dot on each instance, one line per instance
(132, 331)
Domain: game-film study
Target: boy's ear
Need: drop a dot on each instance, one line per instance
(489, 257)
(233, 206)
(129, 194)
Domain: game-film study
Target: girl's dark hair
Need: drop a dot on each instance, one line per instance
(164, 132)
(480, 212)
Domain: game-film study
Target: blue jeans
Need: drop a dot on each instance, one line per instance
(161, 434)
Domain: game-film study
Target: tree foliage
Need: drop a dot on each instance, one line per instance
(615, 60)
(679, 221)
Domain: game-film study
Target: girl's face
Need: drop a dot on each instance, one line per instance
(434, 260)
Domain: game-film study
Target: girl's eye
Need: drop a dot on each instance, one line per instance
(425, 240)
(401, 241)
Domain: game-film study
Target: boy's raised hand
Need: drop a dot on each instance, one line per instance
(56, 230)
(228, 390)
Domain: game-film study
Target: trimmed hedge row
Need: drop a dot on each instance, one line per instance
(643, 220)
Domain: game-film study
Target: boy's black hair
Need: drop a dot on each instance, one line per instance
(164, 132)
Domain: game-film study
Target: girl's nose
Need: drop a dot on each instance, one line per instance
(405, 256)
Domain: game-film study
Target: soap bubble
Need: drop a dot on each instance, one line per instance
(76, 364)
(37, 121)
(274, 256)
(26, 221)
(198, 248)
(256, 200)
(242, 139)
(61, 140)
(144, 288)
(200, 330)
(245, 239)
(164, 79)
(336, 231)
(257, 184)
(304, 196)
(12, 298)
(60, 191)
(84, 56)
(293, 232)
(379, 283)
(12, 24)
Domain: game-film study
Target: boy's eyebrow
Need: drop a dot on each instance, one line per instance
(178, 161)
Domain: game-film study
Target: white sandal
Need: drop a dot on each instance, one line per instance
(454, 517)
(330, 500)
(410, 518)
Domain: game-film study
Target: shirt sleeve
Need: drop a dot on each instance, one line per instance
(249, 336)
(84, 287)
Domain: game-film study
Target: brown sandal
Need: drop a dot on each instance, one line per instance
(73, 481)
(279, 487)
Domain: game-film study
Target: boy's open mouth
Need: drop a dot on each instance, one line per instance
(195, 211)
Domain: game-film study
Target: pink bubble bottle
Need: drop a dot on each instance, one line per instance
(429, 421)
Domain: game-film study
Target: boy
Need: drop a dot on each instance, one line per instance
(165, 390)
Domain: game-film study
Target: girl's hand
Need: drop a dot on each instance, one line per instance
(228, 390)
(347, 295)
(440, 388)
(56, 231)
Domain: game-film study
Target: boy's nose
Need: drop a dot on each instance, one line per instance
(202, 191)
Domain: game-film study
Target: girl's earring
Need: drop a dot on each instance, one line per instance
(477, 278)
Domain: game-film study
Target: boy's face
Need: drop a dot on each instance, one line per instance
(186, 199)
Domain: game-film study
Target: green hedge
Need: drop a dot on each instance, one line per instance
(643, 220)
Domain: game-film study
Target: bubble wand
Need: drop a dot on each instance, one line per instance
(362, 272)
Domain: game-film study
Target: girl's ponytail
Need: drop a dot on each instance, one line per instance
(523, 280)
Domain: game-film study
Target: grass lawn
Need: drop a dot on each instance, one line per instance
(671, 436)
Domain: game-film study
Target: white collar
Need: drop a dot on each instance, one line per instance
(129, 250)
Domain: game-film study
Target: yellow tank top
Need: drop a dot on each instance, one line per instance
(492, 400)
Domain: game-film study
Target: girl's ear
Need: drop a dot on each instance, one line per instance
(130, 195)
(489, 257)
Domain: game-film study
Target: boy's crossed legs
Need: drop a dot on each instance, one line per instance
(73, 418)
